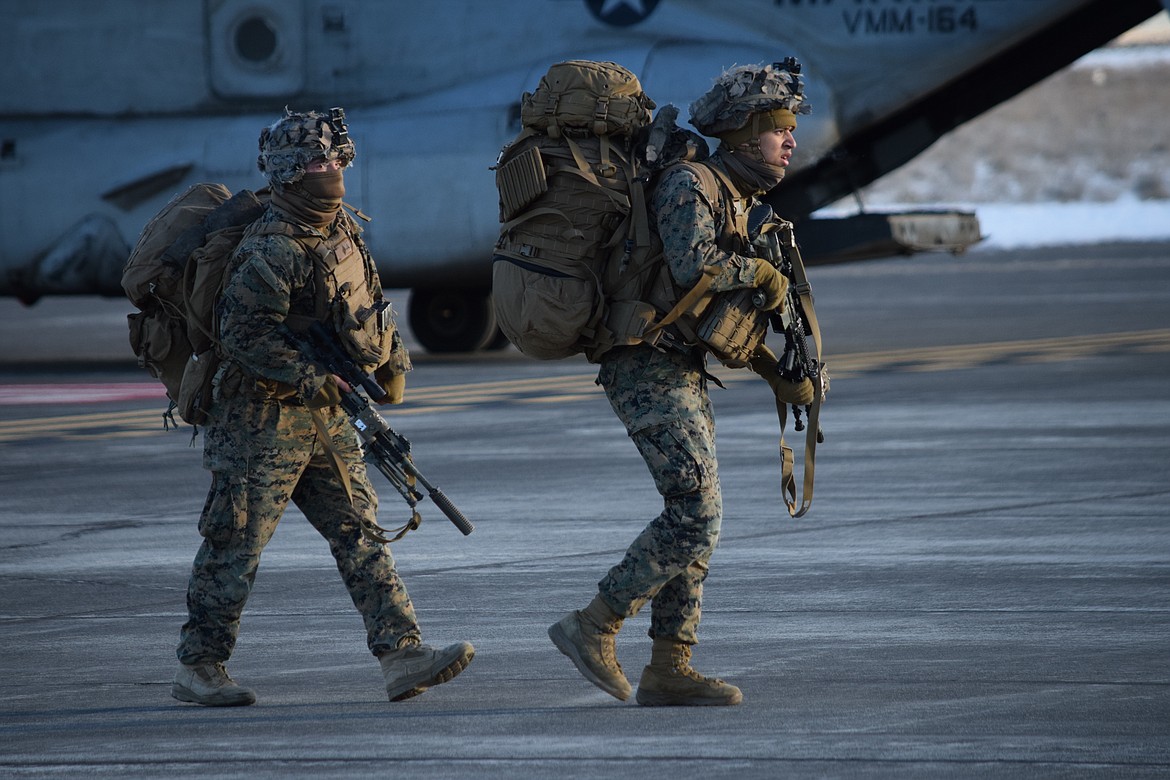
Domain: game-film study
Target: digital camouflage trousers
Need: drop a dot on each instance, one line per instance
(662, 400)
(261, 455)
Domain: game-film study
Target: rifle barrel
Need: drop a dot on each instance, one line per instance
(390, 450)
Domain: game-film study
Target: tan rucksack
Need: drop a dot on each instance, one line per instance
(174, 276)
(575, 246)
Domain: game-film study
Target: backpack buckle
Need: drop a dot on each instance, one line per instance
(600, 115)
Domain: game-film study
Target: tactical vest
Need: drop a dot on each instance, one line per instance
(727, 324)
(347, 296)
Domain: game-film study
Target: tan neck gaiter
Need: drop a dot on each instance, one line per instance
(314, 200)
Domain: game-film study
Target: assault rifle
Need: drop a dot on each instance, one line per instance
(801, 358)
(796, 323)
(386, 449)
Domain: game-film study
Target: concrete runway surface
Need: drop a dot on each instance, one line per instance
(981, 589)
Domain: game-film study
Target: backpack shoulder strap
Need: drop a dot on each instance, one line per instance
(719, 188)
(279, 227)
(706, 176)
(312, 243)
(699, 296)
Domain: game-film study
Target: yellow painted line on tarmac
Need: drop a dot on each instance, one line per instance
(138, 419)
(571, 388)
(502, 388)
(399, 411)
(559, 399)
(1023, 351)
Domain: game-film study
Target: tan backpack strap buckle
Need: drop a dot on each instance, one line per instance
(600, 115)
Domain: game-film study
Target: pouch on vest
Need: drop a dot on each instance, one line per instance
(364, 322)
(732, 327)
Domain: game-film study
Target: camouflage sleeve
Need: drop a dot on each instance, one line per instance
(689, 226)
(272, 271)
(399, 360)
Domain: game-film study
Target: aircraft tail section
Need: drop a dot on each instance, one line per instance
(870, 153)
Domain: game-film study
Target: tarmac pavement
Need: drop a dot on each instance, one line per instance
(980, 589)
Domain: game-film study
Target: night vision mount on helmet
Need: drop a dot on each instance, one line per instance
(296, 139)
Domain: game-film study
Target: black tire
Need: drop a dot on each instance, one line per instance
(498, 342)
(452, 320)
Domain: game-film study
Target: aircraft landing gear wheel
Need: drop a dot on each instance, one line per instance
(453, 320)
(498, 342)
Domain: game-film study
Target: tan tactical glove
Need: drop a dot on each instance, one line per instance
(772, 283)
(797, 393)
(395, 388)
(328, 395)
(277, 391)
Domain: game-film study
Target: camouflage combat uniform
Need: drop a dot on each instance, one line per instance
(263, 448)
(661, 397)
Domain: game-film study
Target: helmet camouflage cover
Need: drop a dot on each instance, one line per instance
(744, 90)
(295, 140)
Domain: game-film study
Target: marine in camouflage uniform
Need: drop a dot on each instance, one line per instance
(276, 433)
(661, 397)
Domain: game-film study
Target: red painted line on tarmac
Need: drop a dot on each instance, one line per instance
(16, 395)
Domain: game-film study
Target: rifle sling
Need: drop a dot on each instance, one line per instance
(335, 460)
(787, 464)
(787, 479)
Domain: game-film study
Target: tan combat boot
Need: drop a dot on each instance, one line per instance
(209, 685)
(587, 637)
(413, 668)
(669, 681)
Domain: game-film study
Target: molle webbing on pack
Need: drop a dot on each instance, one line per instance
(583, 97)
(579, 203)
(574, 232)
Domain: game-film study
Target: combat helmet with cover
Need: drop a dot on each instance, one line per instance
(751, 99)
(296, 139)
